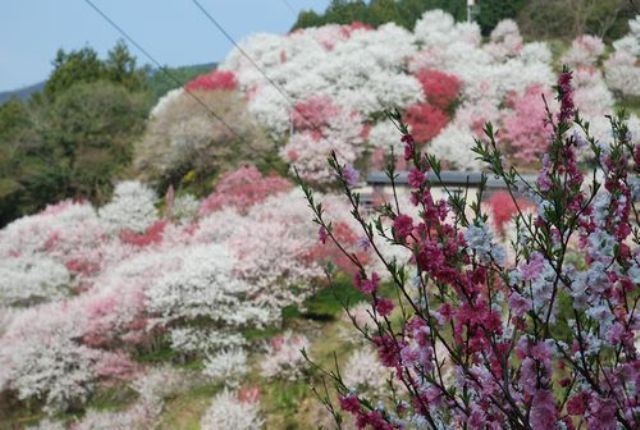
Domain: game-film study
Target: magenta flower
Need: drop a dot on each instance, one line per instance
(518, 304)
(567, 106)
(543, 411)
(367, 286)
(323, 235)
(533, 268)
(402, 227)
(416, 178)
(409, 147)
(350, 403)
(384, 307)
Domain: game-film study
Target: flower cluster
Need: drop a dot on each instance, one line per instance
(215, 80)
(544, 340)
(227, 411)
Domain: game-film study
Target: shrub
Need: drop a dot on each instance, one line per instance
(525, 128)
(227, 366)
(205, 289)
(584, 52)
(503, 209)
(29, 280)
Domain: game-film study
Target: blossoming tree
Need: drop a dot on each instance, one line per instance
(543, 342)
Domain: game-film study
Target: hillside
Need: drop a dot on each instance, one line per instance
(159, 83)
(190, 254)
(21, 93)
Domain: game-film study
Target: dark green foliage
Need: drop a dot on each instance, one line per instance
(567, 19)
(85, 66)
(537, 18)
(71, 140)
(328, 303)
(490, 13)
(91, 126)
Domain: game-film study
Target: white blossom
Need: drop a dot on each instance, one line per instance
(132, 208)
(227, 412)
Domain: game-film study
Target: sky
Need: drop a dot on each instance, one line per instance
(175, 32)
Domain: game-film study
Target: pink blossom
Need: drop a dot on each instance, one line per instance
(544, 414)
(402, 227)
(323, 235)
(525, 128)
(367, 286)
(384, 306)
(519, 305)
(216, 80)
(533, 268)
(416, 178)
(242, 189)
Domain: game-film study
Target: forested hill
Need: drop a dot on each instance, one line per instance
(158, 82)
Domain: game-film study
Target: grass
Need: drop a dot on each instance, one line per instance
(185, 409)
(630, 105)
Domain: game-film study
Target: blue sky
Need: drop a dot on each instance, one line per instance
(174, 31)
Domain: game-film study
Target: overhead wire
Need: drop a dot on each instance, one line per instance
(288, 5)
(280, 90)
(165, 70)
(160, 67)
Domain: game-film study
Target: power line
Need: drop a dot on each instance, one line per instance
(160, 66)
(239, 48)
(288, 5)
(252, 61)
(173, 78)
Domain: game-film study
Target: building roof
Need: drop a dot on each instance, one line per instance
(449, 177)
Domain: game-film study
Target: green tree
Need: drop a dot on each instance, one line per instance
(308, 18)
(382, 11)
(491, 12)
(120, 67)
(84, 65)
(24, 157)
(71, 140)
(92, 127)
(549, 18)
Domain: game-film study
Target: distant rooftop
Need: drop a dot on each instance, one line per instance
(449, 177)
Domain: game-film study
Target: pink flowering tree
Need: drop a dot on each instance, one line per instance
(441, 89)
(525, 129)
(426, 121)
(241, 189)
(216, 80)
(543, 342)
